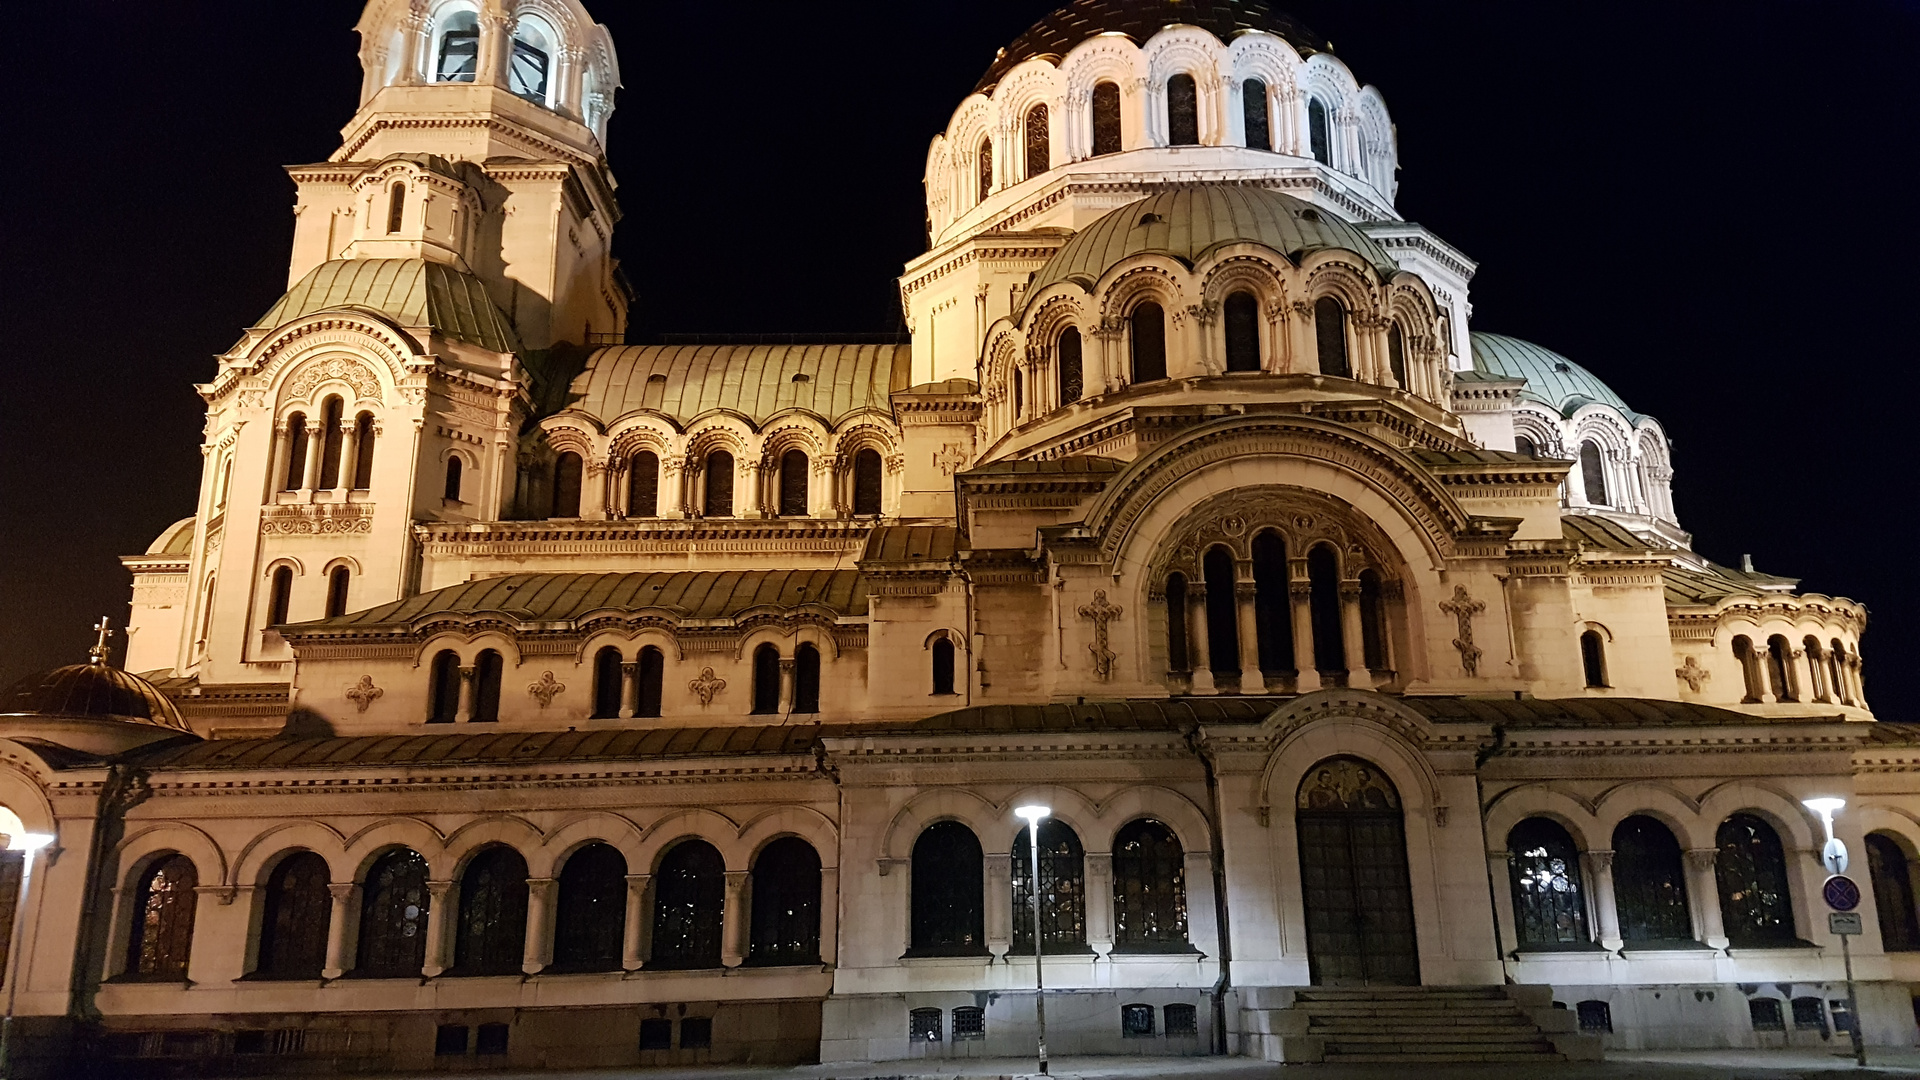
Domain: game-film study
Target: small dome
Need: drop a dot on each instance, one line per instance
(1056, 35)
(91, 692)
(176, 540)
(1188, 222)
(1552, 379)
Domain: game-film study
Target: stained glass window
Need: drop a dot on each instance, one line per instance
(786, 904)
(1751, 871)
(1549, 901)
(490, 936)
(1183, 111)
(1063, 890)
(1330, 335)
(1106, 118)
(689, 895)
(163, 908)
(1149, 342)
(1071, 377)
(1039, 152)
(986, 170)
(590, 917)
(1242, 332)
(948, 893)
(1253, 102)
(1892, 874)
(293, 924)
(1149, 888)
(488, 671)
(393, 917)
(1649, 886)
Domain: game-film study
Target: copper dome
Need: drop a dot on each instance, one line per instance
(92, 692)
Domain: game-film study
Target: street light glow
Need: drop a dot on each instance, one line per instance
(29, 842)
(1032, 813)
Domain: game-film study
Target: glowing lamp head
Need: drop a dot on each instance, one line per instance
(29, 842)
(1825, 807)
(1032, 814)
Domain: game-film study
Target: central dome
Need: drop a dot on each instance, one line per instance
(1188, 222)
(1057, 34)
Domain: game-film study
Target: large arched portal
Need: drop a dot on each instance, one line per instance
(1353, 877)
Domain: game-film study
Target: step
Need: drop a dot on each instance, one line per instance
(1504, 1038)
(1463, 1057)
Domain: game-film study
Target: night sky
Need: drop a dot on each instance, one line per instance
(1709, 204)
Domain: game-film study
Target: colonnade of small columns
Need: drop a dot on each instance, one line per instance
(358, 438)
(1196, 668)
(682, 485)
(1813, 672)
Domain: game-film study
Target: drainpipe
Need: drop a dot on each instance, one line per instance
(1220, 907)
(1480, 758)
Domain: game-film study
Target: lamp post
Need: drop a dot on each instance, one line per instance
(1834, 855)
(29, 844)
(1033, 815)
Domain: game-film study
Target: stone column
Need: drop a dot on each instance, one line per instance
(349, 456)
(1703, 886)
(316, 448)
(1353, 636)
(1099, 896)
(632, 937)
(1247, 619)
(786, 685)
(829, 915)
(467, 672)
(282, 451)
(1606, 915)
(441, 896)
(538, 951)
(999, 904)
(1816, 668)
(337, 938)
(1198, 645)
(1300, 595)
(733, 919)
(629, 689)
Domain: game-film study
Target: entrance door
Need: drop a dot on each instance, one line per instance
(1353, 876)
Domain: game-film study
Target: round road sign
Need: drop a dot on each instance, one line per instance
(1841, 893)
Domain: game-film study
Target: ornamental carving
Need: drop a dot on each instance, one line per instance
(1692, 674)
(364, 693)
(949, 458)
(706, 686)
(546, 689)
(1303, 519)
(316, 519)
(1101, 613)
(1463, 608)
(365, 384)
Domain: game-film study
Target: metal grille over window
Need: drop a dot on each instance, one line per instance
(491, 934)
(1149, 888)
(1649, 884)
(1039, 152)
(1595, 1016)
(1136, 1021)
(1549, 903)
(923, 1025)
(1183, 111)
(393, 917)
(1766, 1014)
(1106, 118)
(1809, 1014)
(1751, 871)
(969, 1022)
(689, 892)
(1063, 893)
(459, 49)
(1182, 1020)
(1254, 105)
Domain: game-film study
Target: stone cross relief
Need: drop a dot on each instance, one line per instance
(706, 686)
(1692, 674)
(1102, 613)
(363, 693)
(546, 689)
(1463, 608)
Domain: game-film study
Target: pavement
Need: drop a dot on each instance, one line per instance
(1623, 1065)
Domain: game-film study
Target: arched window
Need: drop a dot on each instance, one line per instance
(1223, 621)
(590, 918)
(806, 679)
(689, 890)
(1749, 668)
(866, 483)
(1649, 886)
(443, 689)
(1330, 335)
(1253, 106)
(942, 666)
(653, 676)
(363, 446)
(1179, 655)
(296, 452)
(490, 937)
(1243, 332)
(719, 475)
(1039, 150)
(337, 581)
(1149, 342)
(786, 904)
(1549, 899)
(986, 171)
(163, 905)
(396, 206)
(793, 484)
(1397, 354)
(766, 679)
(1106, 118)
(948, 893)
(1318, 136)
(459, 58)
(1373, 623)
(1837, 666)
(1063, 890)
(643, 485)
(566, 486)
(1525, 446)
(1816, 670)
(1593, 476)
(1893, 893)
(1593, 658)
(1071, 384)
(606, 683)
(293, 922)
(1329, 644)
(488, 670)
(1149, 889)
(393, 917)
(280, 595)
(332, 442)
(1780, 668)
(1019, 395)
(527, 71)
(1183, 111)
(454, 468)
(1272, 611)
(1751, 871)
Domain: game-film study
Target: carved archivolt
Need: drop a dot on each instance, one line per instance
(365, 384)
(1304, 519)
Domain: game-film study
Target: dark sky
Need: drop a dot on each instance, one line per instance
(1707, 202)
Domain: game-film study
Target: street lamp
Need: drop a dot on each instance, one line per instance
(29, 844)
(1834, 855)
(1032, 815)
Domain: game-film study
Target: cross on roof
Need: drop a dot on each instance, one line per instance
(99, 651)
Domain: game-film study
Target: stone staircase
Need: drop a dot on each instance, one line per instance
(1411, 1025)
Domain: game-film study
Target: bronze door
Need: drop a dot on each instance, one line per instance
(1353, 877)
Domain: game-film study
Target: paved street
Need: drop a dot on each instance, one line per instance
(1692, 1065)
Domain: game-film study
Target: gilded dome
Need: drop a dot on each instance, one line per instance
(1056, 35)
(91, 692)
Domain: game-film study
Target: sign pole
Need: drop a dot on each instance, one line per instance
(1853, 1006)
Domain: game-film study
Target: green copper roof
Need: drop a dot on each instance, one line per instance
(1188, 222)
(1552, 379)
(757, 381)
(410, 292)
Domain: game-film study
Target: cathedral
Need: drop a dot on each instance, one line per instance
(517, 695)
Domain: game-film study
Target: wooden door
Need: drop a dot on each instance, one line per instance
(1353, 877)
